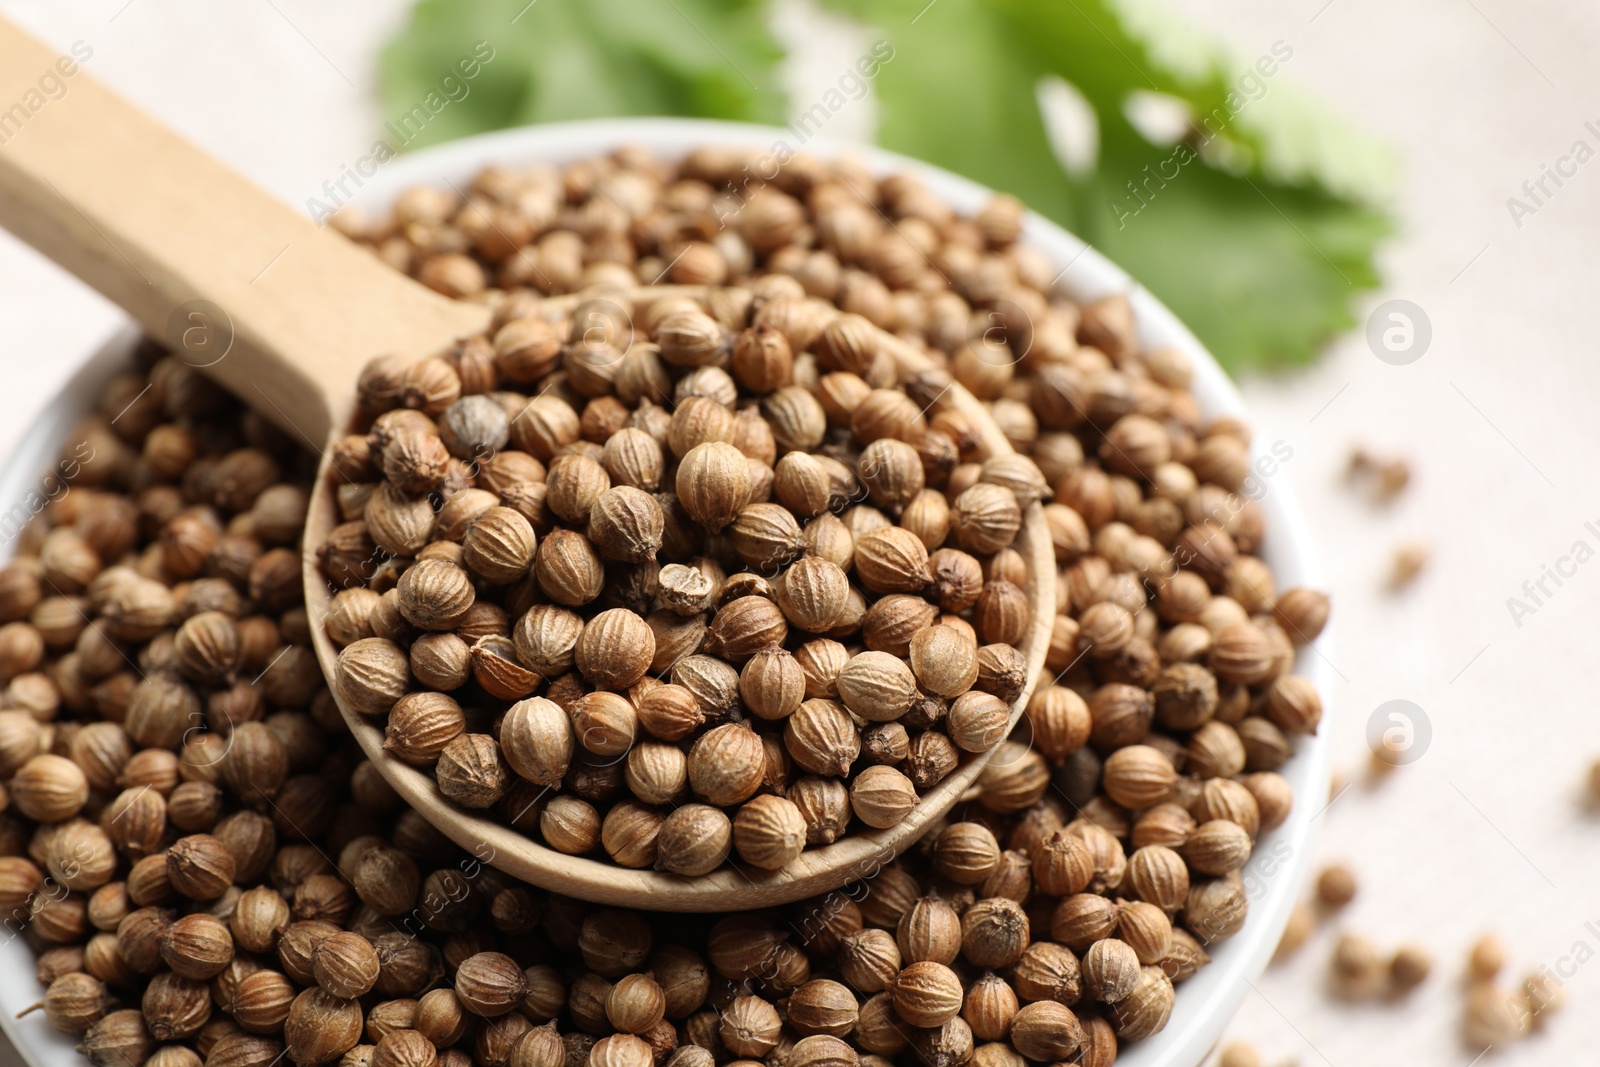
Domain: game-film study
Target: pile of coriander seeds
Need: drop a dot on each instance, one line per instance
(1167, 706)
(673, 581)
(213, 876)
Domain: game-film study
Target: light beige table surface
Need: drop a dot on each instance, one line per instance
(1499, 419)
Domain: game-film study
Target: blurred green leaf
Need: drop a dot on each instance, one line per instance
(574, 59)
(1258, 229)
(1264, 272)
(958, 93)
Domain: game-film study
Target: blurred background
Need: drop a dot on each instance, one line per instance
(1379, 217)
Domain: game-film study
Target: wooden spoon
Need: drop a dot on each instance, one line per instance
(285, 314)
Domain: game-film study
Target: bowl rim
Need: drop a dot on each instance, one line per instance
(1282, 858)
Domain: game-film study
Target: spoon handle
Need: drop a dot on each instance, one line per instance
(280, 311)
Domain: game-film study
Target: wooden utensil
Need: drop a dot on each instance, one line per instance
(285, 314)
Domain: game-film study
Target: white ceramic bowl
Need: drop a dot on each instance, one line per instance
(1278, 868)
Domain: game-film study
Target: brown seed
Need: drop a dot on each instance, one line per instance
(574, 484)
(404, 1047)
(471, 771)
(769, 832)
(990, 1007)
(1486, 958)
(927, 994)
(762, 360)
(615, 649)
(1060, 721)
(892, 560)
(489, 984)
(669, 712)
(877, 686)
(765, 536)
(726, 765)
(1241, 654)
(929, 929)
(1273, 796)
(1063, 866)
(824, 804)
(880, 1030)
(1216, 909)
(1215, 751)
(693, 840)
(1110, 970)
(985, 518)
(49, 788)
(633, 458)
(1293, 705)
(966, 853)
(200, 867)
(536, 737)
(713, 483)
(1105, 629)
(259, 916)
(1302, 613)
(1336, 886)
(498, 545)
(1158, 875)
(1217, 847)
(321, 1027)
(626, 524)
(797, 418)
(1046, 1031)
(345, 965)
(882, 797)
(944, 661)
(977, 722)
(891, 471)
(657, 773)
(1492, 1016)
(635, 1003)
(813, 594)
(261, 1001)
(568, 568)
(197, 946)
(1138, 776)
(421, 725)
(745, 626)
(373, 674)
(75, 1001)
(772, 683)
(1409, 967)
(629, 834)
(435, 594)
(994, 932)
(570, 825)
(1355, 969)
(1146, 1009)
(823, 1007)
(823, 1050)
(869, 959)
(822, 738)
(604, 723)
(120, 1039)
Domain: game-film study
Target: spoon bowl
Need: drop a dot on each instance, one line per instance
(735, 886)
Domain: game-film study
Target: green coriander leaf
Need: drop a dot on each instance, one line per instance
(572, 59)
(1292, 136)
(1263, 273)
(958, 94)
(1262, 260)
